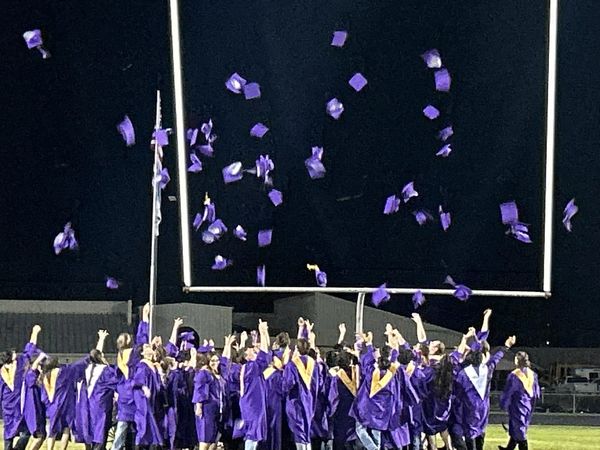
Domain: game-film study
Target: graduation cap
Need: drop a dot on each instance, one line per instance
(240, 233)
(380, 295)
(445, 218)
(392, 205)
(33, 39)
(112, 283)
(445, 151)
(315, 167)
(233, 172)
(408, 191)
(320, 276)
(196, 164)
(276, 197)
(260, 275)
(418, 299)
(339, 38)
(461, 291)
(264, 237)
(432, 58)
(259, 130)
(431, 112)
(221, 263)
(335, 108)
(570, 210)
(442, 80)
(358, 81)
(235, 83)
(127, 131)
(65, 239)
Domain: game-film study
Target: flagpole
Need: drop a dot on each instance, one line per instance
(156, 198)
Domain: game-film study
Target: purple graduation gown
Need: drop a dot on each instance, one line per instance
(11, 385)
(126, 363)
(320, 427)
(473, 391)
(147, 430)
(253, 398)
(435, 409)
(275, 405)
(95, 393)
(209, 391)
(406, 398)
(230, 372)
(59, 393)
(183, 387)
(518, 399)
(341, 395)
(300, 385)
(34, 411)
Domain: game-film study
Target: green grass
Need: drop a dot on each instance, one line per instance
(541, 437)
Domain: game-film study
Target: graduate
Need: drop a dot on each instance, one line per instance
(300, 386)
(273, 375)
(344, 381)
(473, 389)
(95, 393)
(376, 400)
(321, 435)
(34, 410)
(12, 374)
(128, 355)
(208, 398)
(253, 389)
(146, 388)
(518, 399)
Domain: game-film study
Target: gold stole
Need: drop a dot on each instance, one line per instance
(50, 383)
(8, 375)
(278, 363)
(526, 378)
(122, 360)
(378, 382)
(305, 372)
(349, 383)
(268, 372)
(410, 368)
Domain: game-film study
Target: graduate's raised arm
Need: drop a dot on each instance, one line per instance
(265, 340)
(462, 347)
(35, 331)
(142, 336)
(176, 324)
(301, 325)
(229, 341)
(342, 335)
(485, 326)
(102, 334)
(421, 335)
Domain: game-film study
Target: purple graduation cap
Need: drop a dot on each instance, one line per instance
(217, 228)
(264, 165)
(432, 58)
(251, 91)
(422, 216)
(408, 191)
(233, 172)
(418, 299)
(315, 167)
(259, 130)
(196, 164)
(260, 275)
(445, 133)
(197, 223)
(442, 80)
(445, 219)
(162, 136)
(112, 283)
(445, 151)
(163, 178)
(276, 197)
(206, 347)
(33, 39)
(235, 83)
(380, 295)
(206, 130)
(392, 205)
(192, 136)
(187, 336)
(208, 237)
(127, 131)
(221, 263)
(358, 81)
(240, 233)
(264, 237)
(568, 213)
(339, 38)
(207, 150)
(335, 108)
(65, 239)
(209, 214)
(320, 276)
(461, 291)
(520, 231)
(509, 212)
(431, 112)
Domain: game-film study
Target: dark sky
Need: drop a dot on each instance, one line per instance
(64, 161)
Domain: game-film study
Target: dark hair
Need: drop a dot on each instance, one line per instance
(473, 358)
(302, 346)
(48, 366)
(184, 355)
(383, 362)
(331, 358)
(202, 359)
(344, 361)
(405, 356)
(441, 348)
(6, 357)
(96, 357)
(282, 340)
(444, 378)
(312, 353)
(522, 360)
(123, 341)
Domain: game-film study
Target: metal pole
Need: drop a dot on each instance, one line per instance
(360, 308)
(156, 198)
(356, 290)
(550, 124)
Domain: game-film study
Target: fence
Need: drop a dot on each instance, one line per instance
(555, 402)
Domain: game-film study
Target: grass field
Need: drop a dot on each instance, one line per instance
(541, 437)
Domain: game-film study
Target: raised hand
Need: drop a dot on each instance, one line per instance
(263, 327)
(177, 322)
(510, 341)
(102, 334)
(487, 313)
(416, 317)
(342, 328)
(36, 329)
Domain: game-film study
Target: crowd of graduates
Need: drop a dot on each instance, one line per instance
(265, 394)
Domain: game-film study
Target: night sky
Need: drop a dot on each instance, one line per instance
(63, 159)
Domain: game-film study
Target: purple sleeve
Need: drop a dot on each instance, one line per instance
(483, 335)
(508, 392)
(333, 396)
(171, 349)
(76, 370)
(288, 380)
(31, 378)
(30, 350)
(141, 337)
(495, 358)
(263, 359)
(367, 360)
(394, 355)
(201, 387)
(139, 377)
(407, 391)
